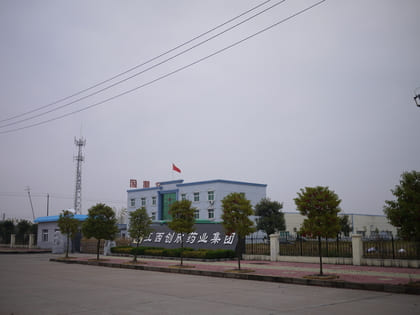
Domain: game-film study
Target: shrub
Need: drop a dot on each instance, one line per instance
(174, 252)
(196, 254)
(121, 250)
(153, 252)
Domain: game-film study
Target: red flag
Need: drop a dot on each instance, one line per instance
(176, 169)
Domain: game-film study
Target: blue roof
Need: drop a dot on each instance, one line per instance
(54, 218)
(222, 181)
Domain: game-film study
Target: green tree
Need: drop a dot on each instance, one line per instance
(320, 206)
(7, 227)
(183, 220)
(236, 212)
(69, 226)
(23, 228)
(345, 227)
(139, 226)
(271, 219)
(100, 224)
(404, 212)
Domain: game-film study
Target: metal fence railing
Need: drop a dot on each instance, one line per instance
(390, 248)
(295, 245)
(256, 245)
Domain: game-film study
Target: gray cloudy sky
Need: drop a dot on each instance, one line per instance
(325, 98)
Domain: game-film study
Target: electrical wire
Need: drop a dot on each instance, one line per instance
(136, 66)
(55, 196)
(170, 73)
(145, 70)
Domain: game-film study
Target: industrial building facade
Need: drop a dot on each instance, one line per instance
(367, 225)
(206, 197)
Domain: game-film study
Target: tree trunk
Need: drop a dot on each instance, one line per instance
(67, 247)
(320, 255)
(97, 249)
(182, 250)
(135, 253)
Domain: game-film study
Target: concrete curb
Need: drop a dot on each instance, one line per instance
(5, 252)
(405, 289)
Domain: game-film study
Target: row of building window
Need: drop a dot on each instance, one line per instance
(196, 198)
(210, 214)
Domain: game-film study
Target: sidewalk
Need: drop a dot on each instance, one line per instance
(401, 280)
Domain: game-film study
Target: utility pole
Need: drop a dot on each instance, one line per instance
(80, 143)
(28, 189)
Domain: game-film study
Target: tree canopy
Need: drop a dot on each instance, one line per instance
(183, 219)
(139, 226)
(68, 226)
(320, 206)
(236, 212)
(101, 223)
(7, 227)
(271, 219)
(404, 212)
(345, 226)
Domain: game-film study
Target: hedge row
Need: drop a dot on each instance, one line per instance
(174, 252)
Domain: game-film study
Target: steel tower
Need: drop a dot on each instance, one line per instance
(78, 190)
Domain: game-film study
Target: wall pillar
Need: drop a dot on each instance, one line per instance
(12, 240)
(357, 249)
(31, 240)
(274, 246)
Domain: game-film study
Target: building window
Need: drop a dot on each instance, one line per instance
(183, 196)
(45, 235)
(153, 201)
(132, 202)
(211, 213)
(196, 214)
(143, 202)
(210, 195)
(153, 216)
(196, 196)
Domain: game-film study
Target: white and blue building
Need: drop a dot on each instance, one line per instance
(206, 197)
(48, 226)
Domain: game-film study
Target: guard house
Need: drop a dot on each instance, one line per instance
(47, 226)
(206, 196)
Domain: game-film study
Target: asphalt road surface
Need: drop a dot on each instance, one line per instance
(30, 284)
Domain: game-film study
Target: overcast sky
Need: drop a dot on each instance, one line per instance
(325, 98)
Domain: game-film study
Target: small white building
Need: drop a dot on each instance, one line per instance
(48, 226)
(206, 196)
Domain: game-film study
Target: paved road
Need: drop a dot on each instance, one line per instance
(30, 284)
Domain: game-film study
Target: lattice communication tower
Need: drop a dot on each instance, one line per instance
(78, 190)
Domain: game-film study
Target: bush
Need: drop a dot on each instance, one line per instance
(121, 250)
(141, 250)
(196, 254)
(154, 252)
(174, 252)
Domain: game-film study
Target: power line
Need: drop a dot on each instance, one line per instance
(134, 67)
(170, 73)
(145, 70)
(56, 196)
